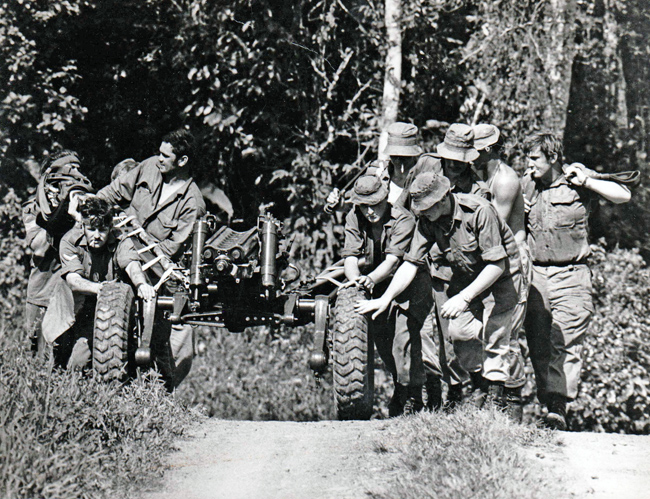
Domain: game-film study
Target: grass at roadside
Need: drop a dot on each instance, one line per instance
(63, 435)
(469, 453)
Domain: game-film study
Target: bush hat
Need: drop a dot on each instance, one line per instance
(458, 144)
(427, 189)
(368, 190)
(402, 140)
(485, 135)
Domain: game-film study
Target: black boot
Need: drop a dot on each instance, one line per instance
(413, 402)
(434, 393)
(397, 401)
(556, 417)
(455, 397)
(514, 404)
(480, 387)
(495, 395)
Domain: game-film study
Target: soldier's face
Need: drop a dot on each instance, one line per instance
(438, 210)
(374, 213)
(96, 237)
(167, 159)
(539, 164)
(403, 163)
(454, 169)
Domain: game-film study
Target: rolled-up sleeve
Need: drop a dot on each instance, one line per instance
(354, 239)
(120, 191)
(421, 244)
(488, 233)
(71, 256)
(401, 234)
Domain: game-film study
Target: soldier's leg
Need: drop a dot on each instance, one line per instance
(181, 341)
(33, 321)
(383, 332)
(161, 352)
(572, 308)
(538, 329)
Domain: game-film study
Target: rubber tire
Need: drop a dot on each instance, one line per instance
(352, 358)
(113, 334)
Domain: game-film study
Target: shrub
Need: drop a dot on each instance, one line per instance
(615, 378)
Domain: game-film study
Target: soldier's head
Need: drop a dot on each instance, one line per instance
(64, 160)
(175, 151)
(488, 141)
(97, 221)
(370, 194)
(544, 151)
(402, 146)
(431, 196)
(123, 167)
(457, 151)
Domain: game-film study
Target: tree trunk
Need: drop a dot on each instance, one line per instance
(393, 70)
(560, 29)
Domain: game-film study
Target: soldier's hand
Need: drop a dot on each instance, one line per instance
(334, 197)
(453, 307)
(377, 306)
(146, 291)
(351, 282)
(365, 282)
(527, 205)
(575, 174)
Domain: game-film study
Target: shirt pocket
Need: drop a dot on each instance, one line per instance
(465, 256)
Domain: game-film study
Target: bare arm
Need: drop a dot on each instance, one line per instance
(385, 269)
(139, 280)
(352, 268)
(82, 285)
(486, 278)
(506, 191)
(401, 280)
(612, 191)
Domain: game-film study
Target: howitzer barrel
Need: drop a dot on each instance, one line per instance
(268, 268)
(199, 236)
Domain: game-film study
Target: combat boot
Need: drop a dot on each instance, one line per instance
(514, 404)
(480, 387)
(413, 402)
(397, 401)
(434, 393)
(455, 396)
(556, 417)
(495, 395)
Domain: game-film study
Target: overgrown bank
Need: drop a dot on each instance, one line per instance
(66, 435)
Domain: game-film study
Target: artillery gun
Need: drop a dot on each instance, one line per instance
(234, 280)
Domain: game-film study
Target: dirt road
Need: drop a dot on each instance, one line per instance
(257, 460)
(284, 460)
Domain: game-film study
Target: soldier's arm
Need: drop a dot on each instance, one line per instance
(121, 189)
(79, 284)
(145, 290)
(401, 280)
(486, 278)
(506, 191)
(612, 191)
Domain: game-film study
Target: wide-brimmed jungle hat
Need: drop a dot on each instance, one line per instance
(368, 190)
(428, 189)
(402, 140)
(458, 144)
(485, 135)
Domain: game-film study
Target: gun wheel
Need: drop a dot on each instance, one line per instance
(352, 357)
(113, 334)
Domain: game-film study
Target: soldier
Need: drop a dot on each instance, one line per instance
(485, 275)
(47, 216)
(396, 332)
(560, 305)
(165, 201)
(406, 161)
(505, 193)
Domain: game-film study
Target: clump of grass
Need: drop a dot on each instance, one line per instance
(468, 453)
(63, 434)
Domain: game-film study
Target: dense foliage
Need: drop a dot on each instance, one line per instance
(616, 373)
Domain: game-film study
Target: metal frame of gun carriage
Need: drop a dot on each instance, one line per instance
(233, 279)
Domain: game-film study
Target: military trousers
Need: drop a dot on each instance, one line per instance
(560, 307)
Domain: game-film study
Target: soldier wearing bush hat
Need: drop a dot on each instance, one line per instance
(481, 253)
(374, 224)
(504, 190)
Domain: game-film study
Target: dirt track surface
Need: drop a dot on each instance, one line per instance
(284, 460)
(258, 460)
